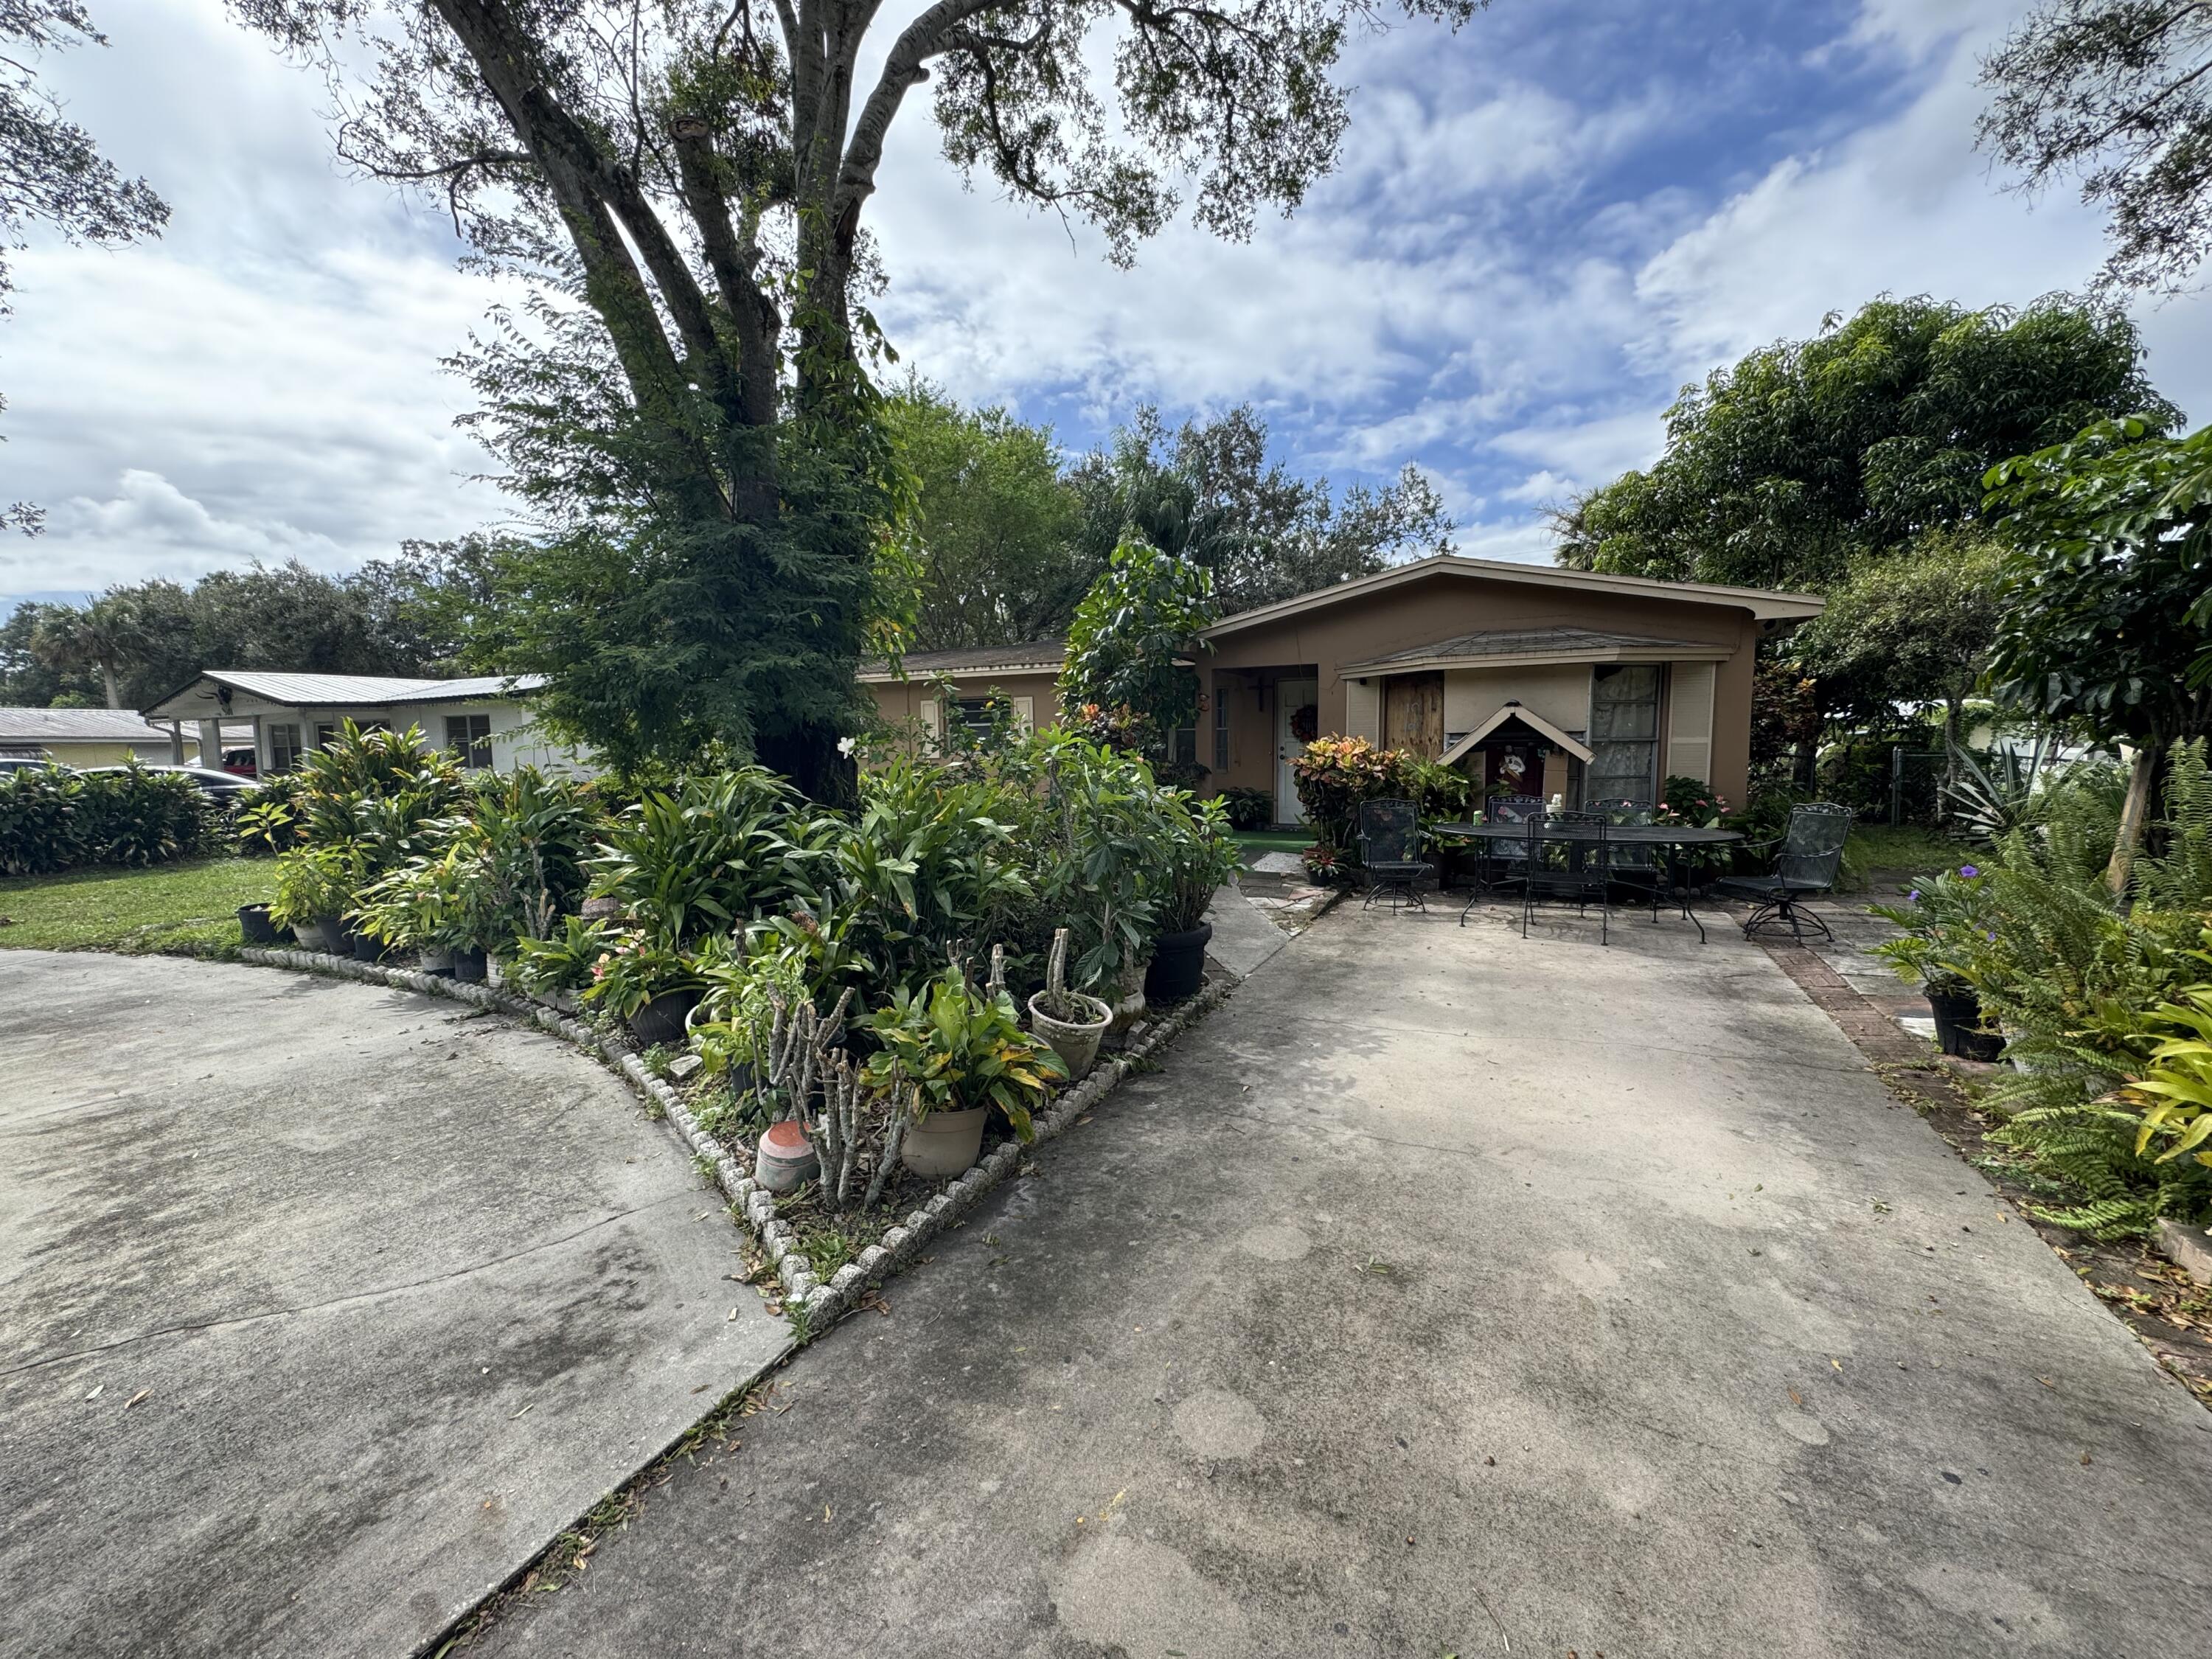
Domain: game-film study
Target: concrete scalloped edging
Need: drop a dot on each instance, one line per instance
(750, 1203)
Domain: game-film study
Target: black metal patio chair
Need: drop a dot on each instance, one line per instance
(1811, 858)
(1635, 866)
(1390, 848)
(1567, 861)
(1501, 863)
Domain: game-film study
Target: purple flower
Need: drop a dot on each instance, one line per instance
(1968, 870)
(1913, 897)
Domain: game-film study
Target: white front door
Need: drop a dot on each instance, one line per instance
(1291, 696)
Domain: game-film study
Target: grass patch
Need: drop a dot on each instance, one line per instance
(174, 909)
(1253, 843)
(1907, 847)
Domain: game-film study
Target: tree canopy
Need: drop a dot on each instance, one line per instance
(1126, 650)
(2114, 94)
(683, 187)
(1208, 493)
(1786, 468)
(993, 528)
(52, 172)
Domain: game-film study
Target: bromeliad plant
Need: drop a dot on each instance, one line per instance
(956, 1048)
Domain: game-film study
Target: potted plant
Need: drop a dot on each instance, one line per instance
(1202, 859)
(648, 982)
(1947, 920)
(961, 1054)
(1071, 1022)
(312, 890)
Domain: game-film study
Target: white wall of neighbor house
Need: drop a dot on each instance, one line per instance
(1689, 752)
(1560, 692)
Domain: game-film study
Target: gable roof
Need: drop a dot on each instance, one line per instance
(1542, 644)
(350, 690)
(78, 725)
(1527, 717)
(1030, 657)
(1766, 605)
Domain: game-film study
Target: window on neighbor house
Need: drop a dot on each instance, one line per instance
(1623, 734)
(976, 714)
(469, 736)
(283, 746)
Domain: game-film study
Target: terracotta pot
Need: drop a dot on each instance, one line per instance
(784, 1159)
(1958, 1025)
(943, 1143)
(1075, 1043)
(1178, 965)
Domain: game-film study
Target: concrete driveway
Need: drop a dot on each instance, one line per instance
(1451, 1294)
(323, 1308)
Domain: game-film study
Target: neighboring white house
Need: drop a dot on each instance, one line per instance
(83, 737)
(484, 720)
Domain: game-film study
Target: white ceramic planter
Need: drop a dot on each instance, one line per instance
(1076, 1042)
(943, 1143)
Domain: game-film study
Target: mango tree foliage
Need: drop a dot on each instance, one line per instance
(1786, 468)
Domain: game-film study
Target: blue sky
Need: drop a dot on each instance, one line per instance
(1543, 225)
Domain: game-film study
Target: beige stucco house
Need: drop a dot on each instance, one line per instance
(482, 720)
(1550, 682)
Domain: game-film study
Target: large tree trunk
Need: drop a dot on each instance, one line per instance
(107, 678)
(2134, 812)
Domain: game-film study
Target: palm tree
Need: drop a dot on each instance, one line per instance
(103, 634)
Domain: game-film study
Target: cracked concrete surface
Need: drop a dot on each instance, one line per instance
(1448, 1293)
(323, 1308)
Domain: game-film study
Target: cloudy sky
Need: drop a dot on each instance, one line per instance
(1543, 225)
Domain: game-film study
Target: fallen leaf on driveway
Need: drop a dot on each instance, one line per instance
(135, 1398)
(96, 1394)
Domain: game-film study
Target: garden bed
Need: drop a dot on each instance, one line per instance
(792, 1234)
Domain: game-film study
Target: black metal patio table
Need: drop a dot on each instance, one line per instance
(1673, 837)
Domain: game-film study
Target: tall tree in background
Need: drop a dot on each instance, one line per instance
(685, 185)
(104, 637)
(1208, 493)
(2118, 94)
(51, 174)
(1787, 468)
(993, 528)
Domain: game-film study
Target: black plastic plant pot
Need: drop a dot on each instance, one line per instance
(1958, 1025)
(367, 947)
(663, 1020)
(469, 966)
(254, 924)
(1178, 965)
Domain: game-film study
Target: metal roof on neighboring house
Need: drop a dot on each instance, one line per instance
(352, 690)
(1031, 657)
(78, 725)
(1554, 643)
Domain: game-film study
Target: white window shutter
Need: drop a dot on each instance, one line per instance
(930, 722)
(1690, 722)
(1025, 713)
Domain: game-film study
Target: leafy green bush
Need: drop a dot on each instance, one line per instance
(52, 819)
(1249, 808)
(956, 1048)
(1336, 774)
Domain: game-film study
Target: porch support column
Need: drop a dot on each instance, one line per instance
(211, 742)
(176, 743)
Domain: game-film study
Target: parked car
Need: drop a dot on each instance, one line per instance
(218, 785)
(16, 763)
(239, 763)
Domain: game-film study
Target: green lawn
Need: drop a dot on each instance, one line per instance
(1253, 842)
(180, 909)
(1906, 847)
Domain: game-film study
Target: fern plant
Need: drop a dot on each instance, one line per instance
(2091, 1148)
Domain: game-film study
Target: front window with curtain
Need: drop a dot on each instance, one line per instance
(1623, 735)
